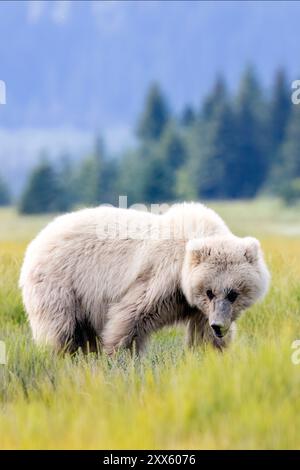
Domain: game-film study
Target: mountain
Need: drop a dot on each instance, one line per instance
(87, 65)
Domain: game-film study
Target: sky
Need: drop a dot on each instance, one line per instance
(78, 68)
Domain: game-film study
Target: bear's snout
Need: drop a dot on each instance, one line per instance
(219, 330)
(220, 317)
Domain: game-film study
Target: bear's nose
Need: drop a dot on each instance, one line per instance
(217, 329)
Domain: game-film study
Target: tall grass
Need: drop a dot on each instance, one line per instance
(171, 398)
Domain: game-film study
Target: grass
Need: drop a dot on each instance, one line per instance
(172, 398)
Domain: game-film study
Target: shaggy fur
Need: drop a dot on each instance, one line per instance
(115, 276)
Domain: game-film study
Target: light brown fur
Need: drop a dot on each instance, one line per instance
(81, 285)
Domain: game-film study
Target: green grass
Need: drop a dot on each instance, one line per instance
(172, 398)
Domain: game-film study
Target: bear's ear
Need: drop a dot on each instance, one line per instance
(252, 247)
(199, 251)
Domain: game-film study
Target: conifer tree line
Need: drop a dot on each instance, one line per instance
(235, 145)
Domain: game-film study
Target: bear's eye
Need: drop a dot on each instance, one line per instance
(232, 295)
(210, 294)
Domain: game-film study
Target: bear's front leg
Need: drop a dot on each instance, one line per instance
(122, 331)
(199, 332)
(127, 323)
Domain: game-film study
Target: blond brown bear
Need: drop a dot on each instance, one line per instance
(113, 276)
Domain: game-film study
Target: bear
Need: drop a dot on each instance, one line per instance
(106, 278)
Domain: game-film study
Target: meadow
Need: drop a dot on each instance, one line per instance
(246, 398)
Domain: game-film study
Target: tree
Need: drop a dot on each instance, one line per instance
(172, 148)
(95, 179)
(213, 163)
(164, 159)
(289, 191)
(286, 174)
(65, 175)
(280, 122)
(43, 193)
(211, 152)
(280, 110)
(172, 152)
(4, 194)
(148, 174)
(132, 174)
(155, 116)
(188, 116)
(218, 96)
(89, 177)
(88, 181)
(250, 131)
(158, 181)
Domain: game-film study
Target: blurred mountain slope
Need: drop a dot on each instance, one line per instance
(88, 64)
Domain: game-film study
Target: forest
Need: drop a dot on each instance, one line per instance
(235, 145)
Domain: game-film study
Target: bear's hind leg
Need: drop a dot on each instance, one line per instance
(52, 315)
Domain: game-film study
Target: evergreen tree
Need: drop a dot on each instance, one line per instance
(155, 116)
(132, 174)
(250, 131)
(66, 175)
(213, 170)
(158, 181)
(279, 118)
(280, 110)
(188, 117)
(172, 148)
(145, 174)
(288, 168)
(43, 193)
(110, 191)
(4, 194)
(170, 156)
(88, 181)
(279, 114)
(211, 150)
(218, 96)
(148, 174)
(95, 180)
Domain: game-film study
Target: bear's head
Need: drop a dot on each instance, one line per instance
(222, 276)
